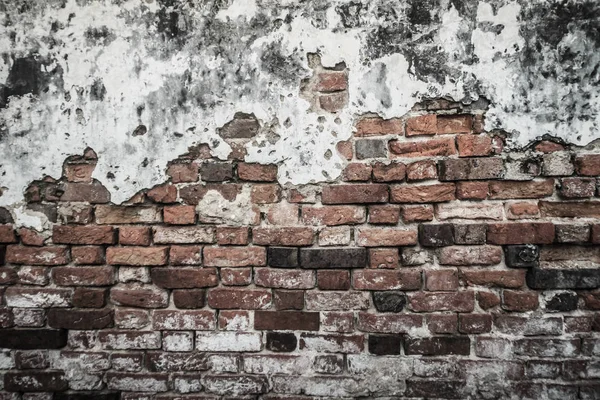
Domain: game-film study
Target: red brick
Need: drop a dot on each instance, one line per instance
(288, 299)
(184, 234)
(388, 323)
(89, 298)
(380, 279)
(521, 190)
(265, 193)
(234, 320)
(75, 213)
(474, 323)
(519, 301)
(183, 172)
(442, 301)
(472, 190)
(333, 280)
(508, 279)
(332, 81)
(136, 255)
(522, 210)
(144, 297)
(387, 258)
(421, 125)
(79, 171)
(470, 255)
(421, 170)
(196, 320)
(235, 256)
(575, 188)
(93, 193)
(546, 146)
(185, 255)
(285, 279)
(49, 255)
(192, 194)
(257, 172)
(474, 145)
(356, 172)
(424, 148)
(442, 323)
(588, 164)
(179, 215)
(135, 235)
(189, 299)
(216, 171)
(282, 214)
(487, 300)
(184, 278)
(83, 234)
(454, 123)
(384, 237)
(87, 255)
(286, 320)
(458, 169)
(583, 209)
(83, 276)
(441, 280)
(290, 236)
(130, 319)
(127, 214)
(422, 193)
(417, 213)
(31, 237)
(384, 214)
(163, 194)
(345, 149)
(379, 126)
(521, 233)
(232, 235)
(337, 321)
(236, 276)
(244, 299)
(333, 215)
(392, 172)
(357, 193)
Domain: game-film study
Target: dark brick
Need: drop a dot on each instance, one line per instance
(385, 344)
(38, 381)
(288, 299)
(80, 319)
(170, 362)
(471, 169)
(282, 257)
(522, 256)
(29, 339)
(438, 346)
(566, 301)
(436, 235)
(2, 255)
(87, 396)
(286, 320)
(89, 298)
(242, 126)
(370, 148)
(391, 301)
(334, 258)
(441, 389)
(36, 359)
(281, 341)
(216, 172)
(189, 299)
(563, 279)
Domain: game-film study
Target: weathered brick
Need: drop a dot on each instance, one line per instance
(563, 279)
(521, 233)
(93, 193)
(438, 346)
(493, 278)
(389, 301)
(333, 280)
(129, 340)
(179, 215)
(288, 299)
(333, 215)
(166, 193)
(235, 385)
(189, 299)
(392, 172)
(547, 347)
(470, 233)
(144, 297)
(80, 319)
(333, 258)
(355, 193)
(583, 209)
(185, 255)
(370, 148)
(455, 123)
(574, 188)
(282, 214)
(234, 256)
(588, 164)
(388, 323)
(242, 126)
(521, 256)
(35, 381)
(421, 170)
(286, 320)
(290, 236)
(379, 279)
(265, 193)
(331, 343)
(113, 215)
(423, 148)
(474, 145)
(379, 126)
(384, 214)
(422, 193)
(471, 169)
(474, 323)
(49, 255)
(441, 280)
(421, 125)
(417, 213)
(184, 234)
(257, 172)
(286, 279)
(236, 276)
(447, 389)
(281, 341)
(522, 210)
(83, 276)
(357, 172)
(472, 190)
(216, 171)
(193, 320)
(470, 255)
(469, 211)
(333, 102)
(135, 235)
(557, 164)
(384, 258)
(521, 190)
(568, 233)
(232, 235)
(566, 301)
(131, 382)
(345, 149)
(184, 278)
(245, 299)
(379, 237)
(337, 321)
(137, 255)
(437, 235)
(442, 323)
(89, 298)
(442, 301)
(24, 297)
(7, 234)
(182, 172)
(31, 339)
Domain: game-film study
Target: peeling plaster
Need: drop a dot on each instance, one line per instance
(142, 81)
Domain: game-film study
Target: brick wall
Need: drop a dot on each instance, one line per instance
(440, 265)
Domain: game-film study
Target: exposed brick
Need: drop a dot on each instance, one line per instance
(189, 299)
(35, 381)
(355, 193)
(285, 279)
(234, 256)
(265, 193)
(389, 301)
(236, 276)
(384, 214)
(422, 193)
(470, 255)
(191, 320)
(423, 148)
(388, 323)
(461, 123)
(492, 278)
(521, 233)
(470, 233)
(232, 235)
(474, 323)
(421, 170)
(183, 234)
(89, 298)
(332, 81)
(521, 190)
(257, 172)
(332, 343)
(438, 346)
(27, 297)
(547, 146)
(184, 278)
(136, 255)
(547, 347)
(567, 233)
(442, 323)
(487, 300)
(522, 210)
(242, 126)
(333, 258)
(30, 237)
(179, 215)
(471, 169)
(216, 171)
(290, 236)
(574, 188)
(144, 297)
(522, 256)
(185, 255)
(337, 321)
(588, 164)
(384, 258)
(49, 255)
(288, 299)
(83, 235)
(333, 215)
(333, 102)
(93, 193)
(244, 299)
(472, 190)
(557, 164)
(563, 279)
(83, 276)
(474, 145)
(345, 149)
(378, 237)
(137, 382)
(436, 235)
(392, 172)
(357, 172)
(234, 320)
(333, 280)
(163, 194)
(370, 148)
(442, 301)
(183, 172)
(286, 320)
(235, 384)
(441, 280)
(417, 213)
(80, 319)
(113, 215)
(379, 126)
(380, 279)
(135, 235)
(193, 194)
(281, 342)
(335, 301)
(582, 209)
(421, 125)
(31, 339)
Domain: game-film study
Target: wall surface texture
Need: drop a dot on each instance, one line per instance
(259, 199)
